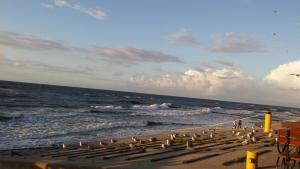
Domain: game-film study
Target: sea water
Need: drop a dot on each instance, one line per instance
(33, 115)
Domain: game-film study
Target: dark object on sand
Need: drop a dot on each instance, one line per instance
(295, 74)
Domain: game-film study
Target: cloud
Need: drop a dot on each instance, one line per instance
(43, 67)
(229, 43)
(62, 3)
(226, 83)
(45, 5)
(26, 41)
(96, 13)
(280, 77)
(224, 63)
(216, 64)
(194, 82)
(115, 54)
(234, 43)
(126, 54)
(183, 36)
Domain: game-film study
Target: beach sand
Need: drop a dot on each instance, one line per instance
(224, 150)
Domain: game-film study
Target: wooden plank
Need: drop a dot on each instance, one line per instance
(154, 153)
(124, 154)
(199, 158)
(98, 152)
(111, 153)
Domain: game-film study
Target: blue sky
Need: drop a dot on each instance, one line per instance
(151, 46)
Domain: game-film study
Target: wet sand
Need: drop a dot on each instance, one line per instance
(211, 149)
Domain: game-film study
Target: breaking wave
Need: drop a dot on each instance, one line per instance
(153, 106)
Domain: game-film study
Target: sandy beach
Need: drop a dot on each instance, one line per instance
(208, 149)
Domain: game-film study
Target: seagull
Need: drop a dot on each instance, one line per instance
(293, 74)
(275, 11)
(134, 139)
(211, 135)
(253, 139)
(131, 145)
(245, 142)
(112, 141)
(152, 139)
(188, 144)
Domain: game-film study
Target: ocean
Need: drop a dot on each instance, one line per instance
(35, 115)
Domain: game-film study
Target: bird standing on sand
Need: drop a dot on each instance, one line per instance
(195, 135)
(250, 134)
(188, 144)
(245, 142)
(270, 135)
(185, 135)
(169, 142)
(163, 146)
(211, 135)
(131, 145)
(172, 137)
(80, 143)
(253, 139)
(112, 141)
(152, 139)
(134, 139)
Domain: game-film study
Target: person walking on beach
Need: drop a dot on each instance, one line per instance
(240, 123)
(234, 124)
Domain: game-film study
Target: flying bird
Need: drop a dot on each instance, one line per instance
(293, 74)
(275, 11)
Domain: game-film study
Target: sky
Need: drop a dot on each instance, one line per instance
(234, 50)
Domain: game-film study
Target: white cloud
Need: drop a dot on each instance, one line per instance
(227, 83)
(96, 13)
(196, 83)
(62, 3)
(183, 36)
(280, 77)
(115, 54)
(229, 43)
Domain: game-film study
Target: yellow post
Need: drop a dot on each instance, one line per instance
(251, 161)
(268, 121)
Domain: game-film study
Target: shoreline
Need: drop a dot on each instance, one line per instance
(204, 151)
(126, 138)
